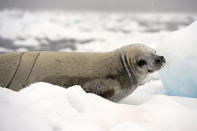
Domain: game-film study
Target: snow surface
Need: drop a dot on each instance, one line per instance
(43, 106)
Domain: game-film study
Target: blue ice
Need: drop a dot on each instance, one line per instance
(180, 78)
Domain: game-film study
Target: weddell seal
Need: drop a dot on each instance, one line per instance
(112, 75)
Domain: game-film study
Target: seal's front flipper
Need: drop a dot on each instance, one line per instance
(106, 88)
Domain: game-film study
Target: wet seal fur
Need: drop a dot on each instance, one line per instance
(112, 75)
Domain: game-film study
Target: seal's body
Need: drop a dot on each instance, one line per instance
(108, 74)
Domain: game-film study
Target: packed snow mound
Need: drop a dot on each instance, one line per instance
(46, 107)
(180, 75)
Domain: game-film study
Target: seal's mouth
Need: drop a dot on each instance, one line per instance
(150, 71)
(157, 67)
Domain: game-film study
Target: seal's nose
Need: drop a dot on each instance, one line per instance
(160, 60)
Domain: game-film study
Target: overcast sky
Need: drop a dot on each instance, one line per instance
(104, 5)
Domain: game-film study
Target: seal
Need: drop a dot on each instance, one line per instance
(112, 75)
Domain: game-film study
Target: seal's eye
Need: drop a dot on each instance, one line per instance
(141, 63)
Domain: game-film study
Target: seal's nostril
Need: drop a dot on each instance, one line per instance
(160, 60)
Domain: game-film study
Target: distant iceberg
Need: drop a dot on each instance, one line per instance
(180, 49)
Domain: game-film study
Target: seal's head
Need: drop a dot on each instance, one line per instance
(142, 60)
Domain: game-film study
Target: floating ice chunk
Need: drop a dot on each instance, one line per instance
(180, 49)
(29, 42)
